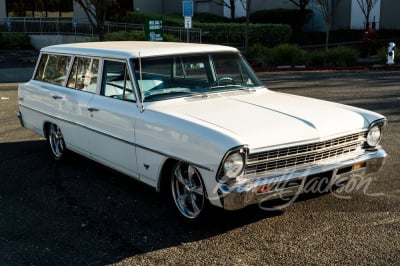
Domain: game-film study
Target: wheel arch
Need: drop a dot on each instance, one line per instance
(163, 185)
(165, 174)
(46, 126)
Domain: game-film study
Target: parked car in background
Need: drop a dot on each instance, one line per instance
(193, 120)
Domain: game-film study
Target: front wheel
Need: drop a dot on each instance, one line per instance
(56, 142)
(188, 191)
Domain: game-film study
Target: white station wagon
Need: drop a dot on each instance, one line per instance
(193, 120)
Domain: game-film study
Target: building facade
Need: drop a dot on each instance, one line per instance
(37, 8)
(347, 15)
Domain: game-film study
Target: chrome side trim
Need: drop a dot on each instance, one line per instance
(118, 139)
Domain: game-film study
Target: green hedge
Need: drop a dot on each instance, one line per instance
(172, 19)
(14, 41)
(340, 57)
(382, 53)
(209, 18)
(134, 36)
(234, 33)
(222, 33)
(142, 18)
(125, 36)
(286, 54)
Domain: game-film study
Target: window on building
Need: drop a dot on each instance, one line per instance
(39, 8)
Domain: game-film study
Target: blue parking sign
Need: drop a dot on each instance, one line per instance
(187, 8)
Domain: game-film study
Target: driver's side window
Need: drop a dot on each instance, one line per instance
(116, 81)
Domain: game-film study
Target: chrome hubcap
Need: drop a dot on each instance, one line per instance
(56, 141)
(187, 190)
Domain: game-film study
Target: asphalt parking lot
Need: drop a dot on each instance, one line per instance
(80, 213)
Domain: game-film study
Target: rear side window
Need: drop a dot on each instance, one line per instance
(52, 68)
(84, 74)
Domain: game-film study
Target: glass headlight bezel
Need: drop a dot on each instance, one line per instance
(232, 165)
(374, 134)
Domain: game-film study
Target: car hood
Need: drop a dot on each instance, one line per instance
(263, 118)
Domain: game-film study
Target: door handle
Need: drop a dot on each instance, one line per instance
(57, 97)
(92, 109)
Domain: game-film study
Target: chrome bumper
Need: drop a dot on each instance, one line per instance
(289, 184)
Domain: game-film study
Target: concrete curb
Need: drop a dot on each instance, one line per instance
(9, 86)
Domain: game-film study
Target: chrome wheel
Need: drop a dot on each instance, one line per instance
(188, 190)
(56, 142)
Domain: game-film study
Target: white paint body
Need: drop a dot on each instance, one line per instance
(197, 130)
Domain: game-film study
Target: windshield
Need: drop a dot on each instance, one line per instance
(175, 76)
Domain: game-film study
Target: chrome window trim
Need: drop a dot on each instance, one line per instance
(382, 123)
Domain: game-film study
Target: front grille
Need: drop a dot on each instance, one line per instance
(302, 155)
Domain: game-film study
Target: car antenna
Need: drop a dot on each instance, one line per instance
(141, 84)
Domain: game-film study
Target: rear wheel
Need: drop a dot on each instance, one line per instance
(56, 142)
(188, 191)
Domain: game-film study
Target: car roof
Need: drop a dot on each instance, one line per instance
(134, 49)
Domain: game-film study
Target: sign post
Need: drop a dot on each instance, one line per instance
(188, 22)
(187, 10)
(74, 23)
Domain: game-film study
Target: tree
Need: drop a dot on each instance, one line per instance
(231, 4)
(302, 5)
(96, 12)
(328, 9)
(366, 8)
(247, 6)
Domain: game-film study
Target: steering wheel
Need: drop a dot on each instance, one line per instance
(226, 80)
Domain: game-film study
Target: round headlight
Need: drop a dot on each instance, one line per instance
(374, 136)
(233, 165)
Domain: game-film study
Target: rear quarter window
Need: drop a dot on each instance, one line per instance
(52, 68)
(84, 74)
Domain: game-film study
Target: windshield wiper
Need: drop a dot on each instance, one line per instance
(169, 91)
(225, 86)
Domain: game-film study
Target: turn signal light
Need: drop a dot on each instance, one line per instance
(265, 188)
(359, 165)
